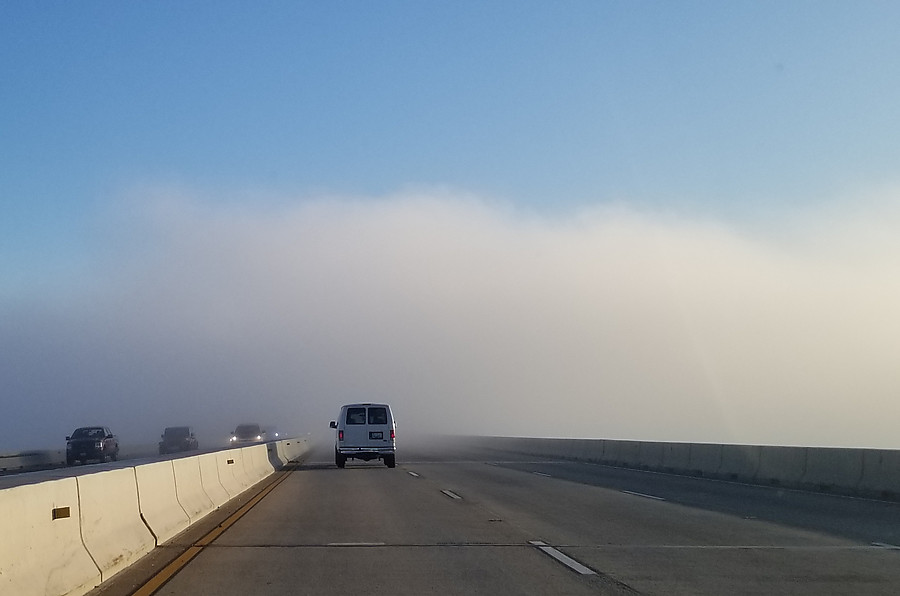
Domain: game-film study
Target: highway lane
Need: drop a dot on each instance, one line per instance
(369, 529)
(866, 520)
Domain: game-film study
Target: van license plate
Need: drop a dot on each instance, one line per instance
(377, 435)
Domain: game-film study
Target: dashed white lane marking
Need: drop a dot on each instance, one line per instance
(413, 474)
(885, 545)
(542, 474)
(564, 559)
(628, 492)
(451, 494)
(356, 544)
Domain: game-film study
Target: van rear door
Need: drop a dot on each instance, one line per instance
(378, 427)
(355, 427)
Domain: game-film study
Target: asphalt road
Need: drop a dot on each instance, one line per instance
(493, 523)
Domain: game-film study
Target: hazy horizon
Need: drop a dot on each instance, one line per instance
(469, 317)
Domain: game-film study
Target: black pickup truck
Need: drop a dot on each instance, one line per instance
(91, 443)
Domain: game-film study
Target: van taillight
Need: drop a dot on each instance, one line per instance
(340, 435)
(392, 434)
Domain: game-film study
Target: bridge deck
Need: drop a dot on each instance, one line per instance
(451, 524)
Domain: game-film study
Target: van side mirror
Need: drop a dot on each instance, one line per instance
(333, 424)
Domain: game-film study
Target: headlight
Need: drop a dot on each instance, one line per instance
(98, 445)
(259, 437)
(233, 439)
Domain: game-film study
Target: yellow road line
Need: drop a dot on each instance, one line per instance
(168, 572)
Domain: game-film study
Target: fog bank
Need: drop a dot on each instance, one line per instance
(468, 316)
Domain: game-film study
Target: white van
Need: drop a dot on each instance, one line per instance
(365, 431)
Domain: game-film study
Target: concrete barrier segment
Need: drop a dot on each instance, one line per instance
(111, 525)
(611, 452)
(295, 449)
(275, 453)
(547, 447)
(588, 450)
(525, 446)
(881, 473)
(256, 462)
(158, 500)
(47, 556)
(514, 445)
(629, 453)
(833, 469)
(568, 449)
(595, 450)
(555, 448)
(209, 478)
(651, 455)
(263, 462)
(32, 460)
(240, 469)
(705, 459)
(231, 471)
(544, 447)
(189, 488)
(676, 457)
(740, 462)
(781, 465)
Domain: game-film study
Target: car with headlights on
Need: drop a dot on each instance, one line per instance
(89, 443)
(247, 433)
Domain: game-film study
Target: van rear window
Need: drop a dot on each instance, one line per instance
(377, 416)
(356, 415)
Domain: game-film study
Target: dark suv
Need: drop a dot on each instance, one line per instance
(178, 438)
(91, 443)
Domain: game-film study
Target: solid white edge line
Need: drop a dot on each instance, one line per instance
(451, 494)
(413, 474)
(629, 492)
(562, 558)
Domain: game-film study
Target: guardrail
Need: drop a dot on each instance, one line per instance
(65, 536)
(856, 472)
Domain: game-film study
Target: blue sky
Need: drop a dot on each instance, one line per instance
(739, 115)
(725, 105)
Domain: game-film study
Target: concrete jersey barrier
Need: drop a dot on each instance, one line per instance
(239, 469)
(209, 479)
(256, 462)
(111, 525)
(189, 489)
(32, 460)
(158, 500)
(41, 553)
(857, 472)
(70, 534)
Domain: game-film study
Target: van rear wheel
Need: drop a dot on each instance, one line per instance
(339, 460)
(390, 460)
